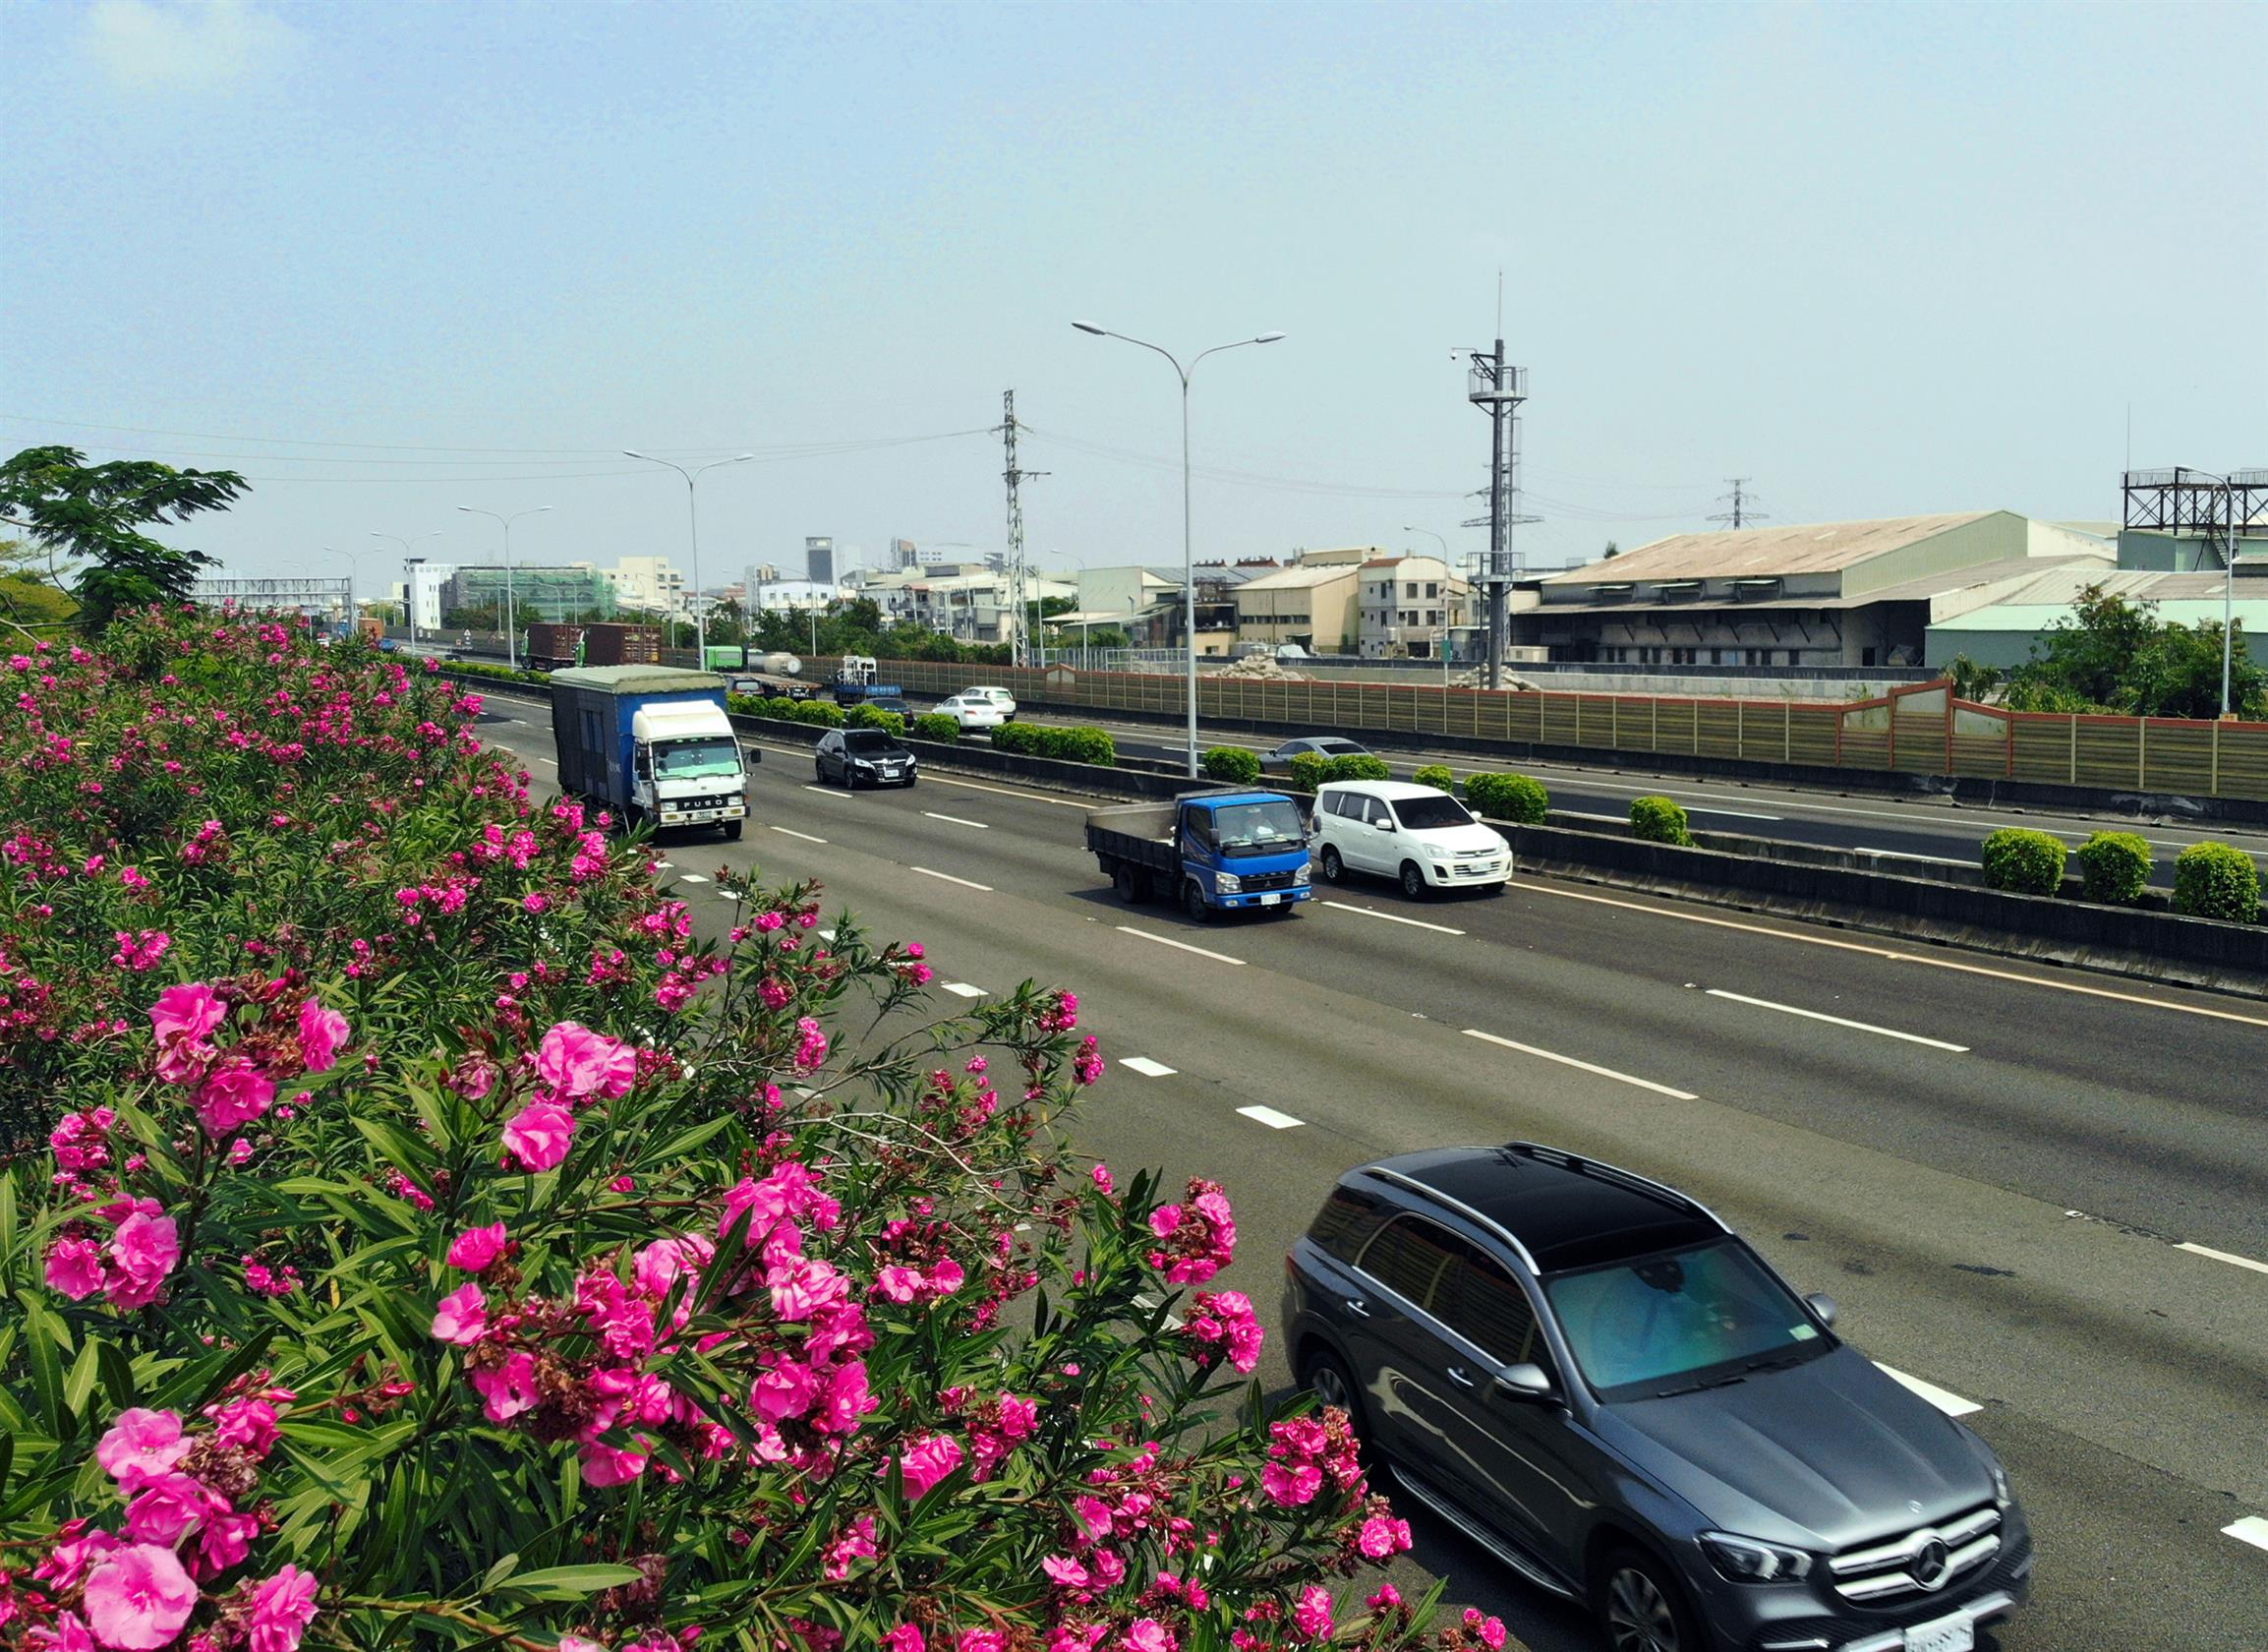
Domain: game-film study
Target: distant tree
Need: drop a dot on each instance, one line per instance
(1611, 552)
(88, 519)
(1970, 681)
(32, 604)
(2115, 655)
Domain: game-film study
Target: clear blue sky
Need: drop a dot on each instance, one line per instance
(1885, 259)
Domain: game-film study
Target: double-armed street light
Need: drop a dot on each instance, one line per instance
(693, 515)
(511, 623)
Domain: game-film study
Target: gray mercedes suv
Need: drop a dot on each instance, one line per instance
(1599, 1383)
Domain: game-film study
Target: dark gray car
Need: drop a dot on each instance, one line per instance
(1601, 1383)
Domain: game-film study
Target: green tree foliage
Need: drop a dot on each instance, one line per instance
(1970, 681)
(93, 516)
(2118, 656)
(2023, 861)
(30, 602)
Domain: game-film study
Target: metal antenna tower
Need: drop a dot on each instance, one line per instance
(1019, 576)
(1740, 513)
(1499, 388)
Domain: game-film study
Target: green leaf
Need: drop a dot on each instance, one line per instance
(402, 1148)
(44, 1336)
(117, 1374)
(568, 1582)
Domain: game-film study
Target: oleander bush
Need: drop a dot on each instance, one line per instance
(1233, 766)
(2217, 880)
(1659, 820)
(419, 1231)
(2116, 868)
(1437, 775)
(1508, 797)
(2023, 861)
(936, 725)
(1306, 771)
(1357, 765)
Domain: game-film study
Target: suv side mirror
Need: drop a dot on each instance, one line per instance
(1822, 1305)
(1523, 1382)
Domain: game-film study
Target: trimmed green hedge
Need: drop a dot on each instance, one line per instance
(1233, 766)
(1659, 820)
(1358, 765)
(1306, 771)
(936, 725)
(1047, 740)
(1515, 797)
(1438, 777)
(865, 716)
(2116, 867)
(2217, 880)
(824, 714)
(2023, 861)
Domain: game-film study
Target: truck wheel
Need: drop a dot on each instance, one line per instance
(1128, 884)
(1413, 881)
(732, 830)
(1334, 869)
(1193, 902)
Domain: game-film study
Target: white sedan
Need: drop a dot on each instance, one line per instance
(1000, 697)
(972, 712)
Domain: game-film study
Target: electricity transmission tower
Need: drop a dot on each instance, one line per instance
(1019, 572)
(1738, 498)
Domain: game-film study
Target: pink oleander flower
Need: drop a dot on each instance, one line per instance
(232, 1095)
(1065, 1572)
(577, 1062)
(169, 1507)
(249, 1423)
(144, 1249)
(905, 1637)
(1313, 1612)
(1490, 1631)
(141, 1445)
(321, 1034)
(930, 1460)
(510, 1388)
(1383, 1536)
(474, 1248)
(1385, 1599)
(69, 1633)
(139, 1598)
(1148, 1635)
(187, 1012)
(282, 1607)
(224, 1544)
(75, 1268)
(539, 1134)
(462, 1316)
(604, 1465)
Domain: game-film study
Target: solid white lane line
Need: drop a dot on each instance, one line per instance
(1168, 940)
(1271, 1118)
(1570, 1061)
(691, 877)
(1892, 954)
(791, 832)
(956, 820)
(2251, 1529)
(1837, 1021)
(1147, 1068)
(1736, 814)
(950, 878)
(963, 990)
(2223, 1255)
(1901, 854)
(1952, 1404)
(1390, 918)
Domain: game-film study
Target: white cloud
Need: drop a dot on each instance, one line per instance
(191, 44)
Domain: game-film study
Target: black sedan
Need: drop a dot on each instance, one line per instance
(855, 757)
(1320, 746)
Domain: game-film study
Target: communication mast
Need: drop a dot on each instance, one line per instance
(1018, 574)
(1499, 388)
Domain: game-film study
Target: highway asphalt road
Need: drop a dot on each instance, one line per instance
(2042, 1196)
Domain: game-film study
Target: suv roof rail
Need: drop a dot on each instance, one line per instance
(1487, 1223)
(1561, 1159)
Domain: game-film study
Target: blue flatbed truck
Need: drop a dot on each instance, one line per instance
(653, 744)
(1212, 851)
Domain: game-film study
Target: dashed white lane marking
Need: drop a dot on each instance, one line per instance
(1147, 1068)
(1010, 791)
(1894, 956)
(1901, 854)
(691, 877)
(830, 791)
(956, 820)
(947, 877)
(827, 935)
(1839, 1021)
(2251, 1529)
(961, 989)
(1271, 1118)
(2223, 1255)
(1584, 1066)
(791, 832)
(1952, 1404)
(665, 866)
(1173, 1320)
(1390, 918)
(1168, 940)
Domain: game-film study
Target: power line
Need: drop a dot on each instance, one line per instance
(1740, 513)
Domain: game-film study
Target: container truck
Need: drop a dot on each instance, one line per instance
(554, 647)
(652, 744)
(1213, 851)
(621, 645)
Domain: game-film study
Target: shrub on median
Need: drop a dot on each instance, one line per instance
(936, 725)
(1306, 771)
(1438, 777)
(2217, 880)
(2116, 867)
(1233, 766)
(2023, 861)
(1358, 765)
(1516, 798)
(1659, 820)
(1048, 740)
(819, 714)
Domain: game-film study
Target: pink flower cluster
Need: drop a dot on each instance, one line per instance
(138, 951)
(130, 1267)
(1305, 1452)
(1221, 1323)
(1196, 1238)
(575, 1064)
(235, 1087)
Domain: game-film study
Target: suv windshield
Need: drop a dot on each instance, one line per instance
(1680, 1321)
(1430, 814)
(1270, 828)
(697, 759)
(869, 742)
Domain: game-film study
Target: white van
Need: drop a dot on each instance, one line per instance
(1425, 839)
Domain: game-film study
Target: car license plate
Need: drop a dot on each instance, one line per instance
(1271, 900)
(702, 814)
(1957, 1633)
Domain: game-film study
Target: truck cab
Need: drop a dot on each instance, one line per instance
(653, 744)
(686, 766)
(1210, 851)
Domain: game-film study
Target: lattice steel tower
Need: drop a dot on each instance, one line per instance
(1498, 389)
(1018, 574)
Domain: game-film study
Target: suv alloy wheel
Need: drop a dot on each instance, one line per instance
(1639, 1608)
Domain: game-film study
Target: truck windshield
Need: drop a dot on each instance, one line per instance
(1270, 828)
(697, 759)
(1430, 814)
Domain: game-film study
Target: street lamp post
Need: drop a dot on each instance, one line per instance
(1189, 562)
(1440, 637)
(511, 618)
(352, 577)
(409, 584)
(694, 519)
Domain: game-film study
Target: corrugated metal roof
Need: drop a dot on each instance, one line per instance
(2251, 614)
(1809, 548)
(1298, 576)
